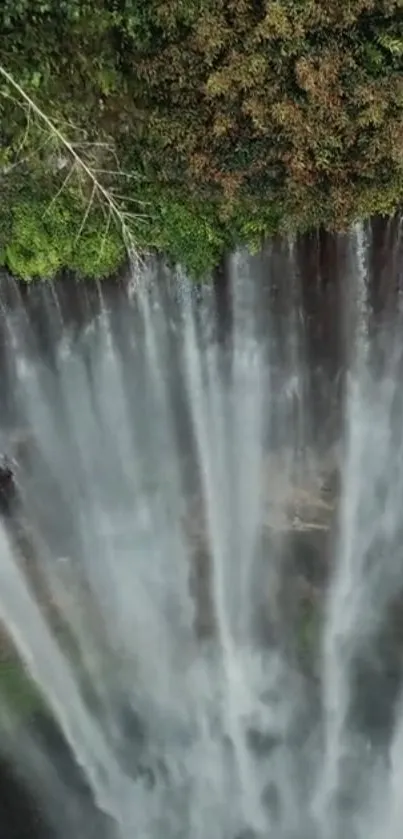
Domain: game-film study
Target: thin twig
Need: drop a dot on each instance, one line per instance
(86, 214)
(26, 132)
(59, 191)
(136, 216)
(118, 172)
(6, 95)
(129, 198)
(108, 224)
(30, 154)
(98, 143)
(67, 122)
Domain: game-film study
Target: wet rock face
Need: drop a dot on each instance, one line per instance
(293, 561)
(50, 799)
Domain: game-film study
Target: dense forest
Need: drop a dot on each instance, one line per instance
(191, 126)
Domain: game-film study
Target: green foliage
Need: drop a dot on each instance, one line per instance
(189, 233)
(250, 223)
(17, 691)
(238, 118)
(44, 238)
(391, 44)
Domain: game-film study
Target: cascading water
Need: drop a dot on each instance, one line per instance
(171, 522)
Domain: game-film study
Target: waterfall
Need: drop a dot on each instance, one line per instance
(203, 555)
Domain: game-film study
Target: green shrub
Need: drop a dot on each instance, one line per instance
(45, 238)
(189, 234)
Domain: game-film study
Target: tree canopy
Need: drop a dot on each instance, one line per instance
(214, 122)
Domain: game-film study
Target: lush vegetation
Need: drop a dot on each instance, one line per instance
(209, 122)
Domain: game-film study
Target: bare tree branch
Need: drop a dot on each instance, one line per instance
(97, 187)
